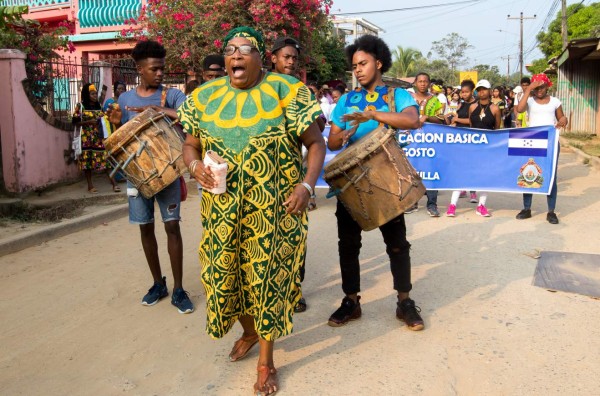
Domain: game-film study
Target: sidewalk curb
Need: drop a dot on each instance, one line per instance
(594, 162)
(27, 239)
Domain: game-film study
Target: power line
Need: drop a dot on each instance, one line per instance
(420, 18)
(452, 13)
(549, 18)
(410, 8)
(521, 18)
(490, 49)
(540, 27)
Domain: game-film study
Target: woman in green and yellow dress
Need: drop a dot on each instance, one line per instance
(255, 232)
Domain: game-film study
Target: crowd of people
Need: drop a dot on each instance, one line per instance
(505, 98)
(259, 117)
(481, 106)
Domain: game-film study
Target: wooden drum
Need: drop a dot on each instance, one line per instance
(149, 151)
(374, 180)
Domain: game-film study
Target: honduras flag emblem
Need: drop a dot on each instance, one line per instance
(528, 142)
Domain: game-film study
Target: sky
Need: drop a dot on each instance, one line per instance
(483, 23)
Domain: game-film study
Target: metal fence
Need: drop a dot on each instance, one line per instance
(57, 84)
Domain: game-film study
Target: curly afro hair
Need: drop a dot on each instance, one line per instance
(148, 49)
(374, 46)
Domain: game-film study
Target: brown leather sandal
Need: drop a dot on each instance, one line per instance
(242, 346)
(267, 383)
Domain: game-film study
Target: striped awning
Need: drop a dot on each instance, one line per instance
(96, 13)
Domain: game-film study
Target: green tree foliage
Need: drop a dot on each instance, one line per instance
(490, 73)
(582, 22)
(404, 62)
(328, 61)
(453, 49)
(437, 69)
(514, 79)
(10, 15)
(538, 66)
(39, 42)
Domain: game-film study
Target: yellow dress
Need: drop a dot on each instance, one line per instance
(251, 250)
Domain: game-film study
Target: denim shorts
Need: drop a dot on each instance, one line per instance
(141, 210)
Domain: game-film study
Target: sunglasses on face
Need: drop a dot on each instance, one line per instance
(245, 49)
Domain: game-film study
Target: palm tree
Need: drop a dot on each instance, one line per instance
(404, 61)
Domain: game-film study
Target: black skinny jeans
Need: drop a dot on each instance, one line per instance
(397, 248)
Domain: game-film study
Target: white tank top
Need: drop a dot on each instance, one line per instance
(542, 114)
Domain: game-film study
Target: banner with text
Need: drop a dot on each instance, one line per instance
(516, 160)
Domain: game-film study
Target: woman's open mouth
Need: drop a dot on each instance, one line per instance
(238, 71)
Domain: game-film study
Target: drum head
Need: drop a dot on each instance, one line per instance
(126, 132)
(356, 153)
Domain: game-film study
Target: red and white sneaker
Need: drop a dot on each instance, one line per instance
(451, 212)
(482, 211)
(473, 198)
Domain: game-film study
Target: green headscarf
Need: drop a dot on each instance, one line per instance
(248, 33)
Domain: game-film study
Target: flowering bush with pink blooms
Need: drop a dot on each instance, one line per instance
(39, 42)
(192, 29)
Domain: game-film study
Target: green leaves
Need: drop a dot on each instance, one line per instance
(404, 62)
(11, 14)
(39, 43)
(582, 22)
(452, 48)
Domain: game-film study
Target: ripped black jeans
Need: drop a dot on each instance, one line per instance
(349, 244)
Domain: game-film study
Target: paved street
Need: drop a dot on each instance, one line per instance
(72, 322)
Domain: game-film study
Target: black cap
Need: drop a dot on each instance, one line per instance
(284, 42)
(215, 59)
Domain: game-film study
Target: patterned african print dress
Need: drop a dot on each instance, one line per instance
(93, 155)
(251, 250)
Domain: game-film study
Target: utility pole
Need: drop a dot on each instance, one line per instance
(564, 31)
(507, 68)
(521, 41)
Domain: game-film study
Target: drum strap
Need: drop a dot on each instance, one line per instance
(163, 97)
(391, 102)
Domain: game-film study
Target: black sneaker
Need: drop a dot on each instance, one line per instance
(408, 312)
(182, 301)
(524, 214)
(552, 218)
(156, 292)
(349, 310)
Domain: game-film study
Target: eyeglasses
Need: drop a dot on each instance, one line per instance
(245, 49)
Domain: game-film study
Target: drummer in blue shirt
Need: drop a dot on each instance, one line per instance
(357, 113)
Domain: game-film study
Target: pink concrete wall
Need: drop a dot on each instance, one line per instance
(32, 149)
